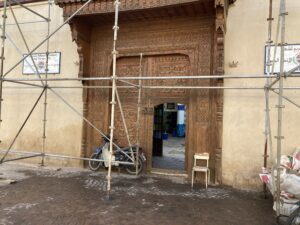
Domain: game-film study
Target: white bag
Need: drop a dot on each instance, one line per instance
(290, 183)
(296, 160)
(286, 161)
(286, 208)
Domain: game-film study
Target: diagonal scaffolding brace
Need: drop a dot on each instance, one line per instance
(22, 126)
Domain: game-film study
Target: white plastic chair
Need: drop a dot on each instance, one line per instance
(204, 169)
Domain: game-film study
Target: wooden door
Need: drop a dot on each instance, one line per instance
(157, 66)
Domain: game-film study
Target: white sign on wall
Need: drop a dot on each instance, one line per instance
(40, 61)
(291, 58)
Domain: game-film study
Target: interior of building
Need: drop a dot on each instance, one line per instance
(169, 136)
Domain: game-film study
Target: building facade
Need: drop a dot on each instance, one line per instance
(176, 38)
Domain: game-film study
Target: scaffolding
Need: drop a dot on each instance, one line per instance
(270, 78)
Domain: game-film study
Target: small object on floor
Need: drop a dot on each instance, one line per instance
(58, 169)
(205, 169)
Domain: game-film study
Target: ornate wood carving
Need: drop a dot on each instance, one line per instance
(222, 7)
(181, 46)
(84, 125)
(170, 65)
(221, 11)
(98, 7)
(81, 35)
(148, 110)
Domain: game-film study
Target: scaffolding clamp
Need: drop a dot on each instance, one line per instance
(279, 137)
(284, 14)
(115, 52)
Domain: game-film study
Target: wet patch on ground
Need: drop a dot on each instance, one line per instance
(74, 196)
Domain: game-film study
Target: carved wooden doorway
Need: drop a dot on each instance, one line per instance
(98, 109)
(164, 65)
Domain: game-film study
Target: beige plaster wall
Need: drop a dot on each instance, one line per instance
(63, 125)
(243, 131)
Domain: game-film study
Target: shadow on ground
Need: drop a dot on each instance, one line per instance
(71, 196)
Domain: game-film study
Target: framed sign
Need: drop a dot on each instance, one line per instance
(291, 58)
(54, 60)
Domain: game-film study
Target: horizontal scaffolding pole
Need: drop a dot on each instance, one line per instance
(24, 83)
(35, 154)
(20, 158)
(152, 78)
(27, 22)
(85, 159)
(174, 87)
(147, 87)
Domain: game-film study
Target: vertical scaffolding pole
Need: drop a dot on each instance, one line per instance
(124, 123)
(280, 106)
(268, 134)
(3, 37)
(113, 96)
(26, 45)
(46, 85)
(138, 118)
(22, 126)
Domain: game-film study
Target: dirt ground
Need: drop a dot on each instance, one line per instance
(71, 196)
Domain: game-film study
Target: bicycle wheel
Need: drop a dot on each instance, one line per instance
(94, 165)
(131, 169)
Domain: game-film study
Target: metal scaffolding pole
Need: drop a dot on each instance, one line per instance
(268, 131)
(58, 156)
(22, 126)
(46, 84)
(280, 106)
(81, 116)
(24, 83)
(287, 99)
(3, 37)
(30, 10)
(49, 36)
(28, 22)
(138, 117)
(129, 83)
(113, 95)
(175, 87)
(18, 50)
(276, 42)
(124, 123)
(22, 157)
(26, 45)
(187, 77)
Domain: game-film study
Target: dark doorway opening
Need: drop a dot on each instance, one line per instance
(168, 150)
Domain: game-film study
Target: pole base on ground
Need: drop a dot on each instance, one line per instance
(108, 196)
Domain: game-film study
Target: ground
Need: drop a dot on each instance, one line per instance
(46, 196)
(173, 154)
